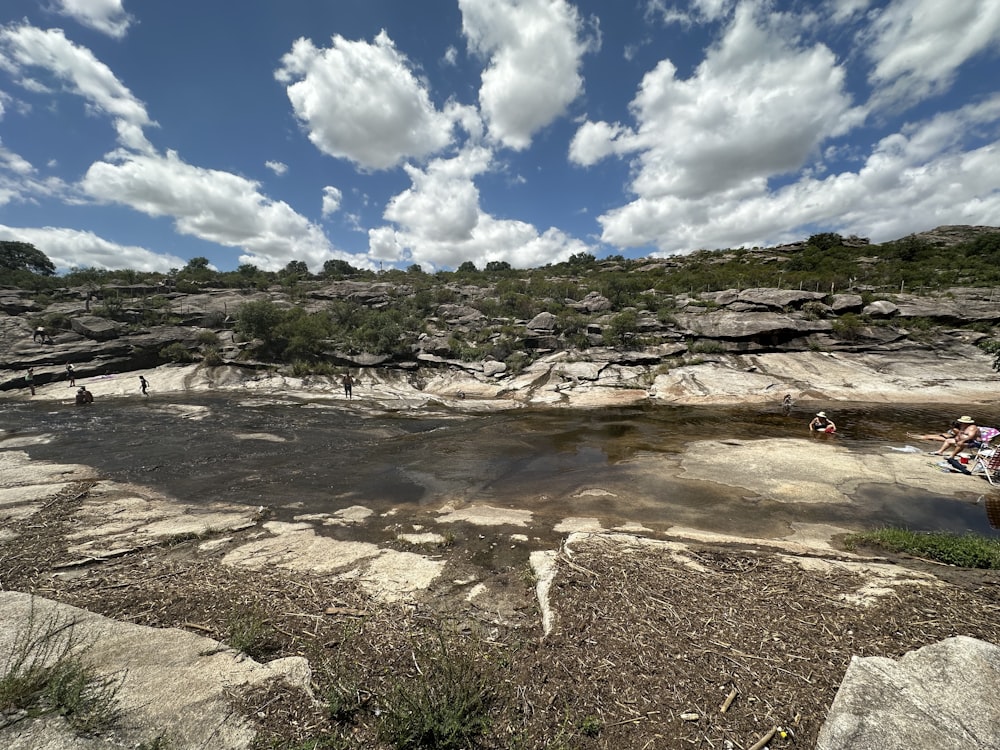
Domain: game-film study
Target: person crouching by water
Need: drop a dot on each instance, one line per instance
(84, 397)
(822, 423)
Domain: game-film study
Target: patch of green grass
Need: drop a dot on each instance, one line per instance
(963, 550)
(46, 673)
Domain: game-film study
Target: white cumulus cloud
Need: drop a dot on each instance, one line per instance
(279, 168)
(534, 49)
(439, 222)
(331, 200)
(107, 16)
(918, 45)
(77, 71)
(72, 248)
(361, 102)
(212, 205)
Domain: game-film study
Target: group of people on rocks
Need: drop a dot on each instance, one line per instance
(83, 396)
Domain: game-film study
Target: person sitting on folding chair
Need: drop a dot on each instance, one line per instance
(967, 436)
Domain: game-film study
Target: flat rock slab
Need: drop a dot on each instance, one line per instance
(386, 574)
(942, 696)
(173, 683)
(798, 471)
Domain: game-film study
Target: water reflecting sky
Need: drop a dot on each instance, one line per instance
(322, 456)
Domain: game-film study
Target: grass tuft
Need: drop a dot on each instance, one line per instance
(446, 705)
(251, 632)
(46, 673)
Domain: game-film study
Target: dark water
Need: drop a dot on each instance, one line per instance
(323, 456)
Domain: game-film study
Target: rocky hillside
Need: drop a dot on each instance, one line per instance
(493, 327)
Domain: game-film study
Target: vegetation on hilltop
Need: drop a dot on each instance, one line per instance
(824, 261)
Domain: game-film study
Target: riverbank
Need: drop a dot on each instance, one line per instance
(563, 380)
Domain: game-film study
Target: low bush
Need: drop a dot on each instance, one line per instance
(176, 352)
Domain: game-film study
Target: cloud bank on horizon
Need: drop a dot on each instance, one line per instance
(523, 131)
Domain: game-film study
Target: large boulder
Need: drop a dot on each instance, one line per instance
(594, 302)
(940, 696)
(846, 303)
(731, 325)
(544, 322)
(460, 314)
(881, 308)
(13, 305)
(98, 329)
(778, 299)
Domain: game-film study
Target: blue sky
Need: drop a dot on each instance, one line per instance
(393, 132)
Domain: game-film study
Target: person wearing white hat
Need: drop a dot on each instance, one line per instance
(968, 432)
(822, 423)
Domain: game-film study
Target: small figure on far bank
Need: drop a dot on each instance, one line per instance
(143, 385)
(84, 397)
(71, 374)
(786, 404)
(39, 334)
(348, 383)
(29, 378)
(822, 423)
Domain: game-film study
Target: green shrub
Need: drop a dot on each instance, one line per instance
(302, 368)
(251, 633)
(176, 352)
(848, 327)
(622, 329)
(706, 347)
(211, 356)
(992, 347)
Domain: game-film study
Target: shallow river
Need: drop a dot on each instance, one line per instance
(301, 456)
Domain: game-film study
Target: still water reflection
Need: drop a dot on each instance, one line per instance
(606, 463)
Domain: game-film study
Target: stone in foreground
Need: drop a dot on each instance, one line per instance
(942, 696)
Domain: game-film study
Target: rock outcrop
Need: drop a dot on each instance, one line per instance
(942, 696)
(705, 330)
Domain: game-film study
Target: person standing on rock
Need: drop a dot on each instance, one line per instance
(30, 380)
(143, 385)
(71, 374)
(348, 383)
(822, 423)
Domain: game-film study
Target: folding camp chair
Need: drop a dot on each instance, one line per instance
(987, 462)
(986, 436)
